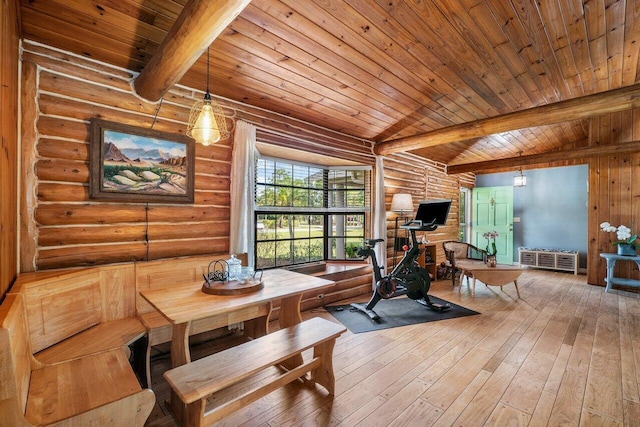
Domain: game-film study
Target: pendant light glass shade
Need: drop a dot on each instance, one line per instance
(207, 123)
(520, 180)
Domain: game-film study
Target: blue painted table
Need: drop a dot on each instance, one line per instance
(611, 263)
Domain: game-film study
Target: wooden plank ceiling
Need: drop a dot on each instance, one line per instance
(382, 69)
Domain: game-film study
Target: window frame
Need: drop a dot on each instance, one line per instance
(326, 211)
(464, 227)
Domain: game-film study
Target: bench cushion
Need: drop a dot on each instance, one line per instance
(213, 373)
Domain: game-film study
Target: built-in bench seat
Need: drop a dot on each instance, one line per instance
(220, 375)
(116, 334)
(76, 313)
(97, 389)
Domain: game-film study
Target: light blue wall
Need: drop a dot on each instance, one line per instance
(552, 208)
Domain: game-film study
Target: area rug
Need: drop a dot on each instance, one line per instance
(394, 312)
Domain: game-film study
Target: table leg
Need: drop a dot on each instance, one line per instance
(258, 326)
(290, 311)
(473, 287)
(180, 344)
(180, 355)
(611, 264)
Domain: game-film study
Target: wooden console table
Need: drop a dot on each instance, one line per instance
(611, 263)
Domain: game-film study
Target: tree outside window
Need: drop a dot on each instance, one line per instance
(308, 213)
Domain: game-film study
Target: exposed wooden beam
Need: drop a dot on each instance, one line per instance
(573, 109)
(198, 25)
(554, 156)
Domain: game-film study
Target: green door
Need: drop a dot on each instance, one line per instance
(493, 210)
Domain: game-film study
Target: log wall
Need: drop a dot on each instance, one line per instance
(424, 180)
(9, 45)
(64, 228)
(614, 191)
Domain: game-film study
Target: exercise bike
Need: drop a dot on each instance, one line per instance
(406, 278)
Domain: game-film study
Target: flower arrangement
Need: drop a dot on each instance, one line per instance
(622, 232)
(491, 241)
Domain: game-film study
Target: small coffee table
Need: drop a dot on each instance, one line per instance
(499, 275)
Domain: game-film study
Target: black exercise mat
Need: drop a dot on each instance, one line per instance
(395, 312)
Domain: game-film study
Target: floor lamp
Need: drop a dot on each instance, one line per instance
(400, 203)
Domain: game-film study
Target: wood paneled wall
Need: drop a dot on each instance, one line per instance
(62, 227)
(614, 191)
(9, 47)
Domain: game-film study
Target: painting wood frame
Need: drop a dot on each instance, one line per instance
(160, 170)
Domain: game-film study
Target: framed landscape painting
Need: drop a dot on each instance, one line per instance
(140, 165)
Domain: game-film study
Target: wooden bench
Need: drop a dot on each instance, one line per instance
(216, 374)
(99, 389)
(75, 313)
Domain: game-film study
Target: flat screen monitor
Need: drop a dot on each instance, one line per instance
(433, 210)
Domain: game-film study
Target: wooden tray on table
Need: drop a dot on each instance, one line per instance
(233, 287)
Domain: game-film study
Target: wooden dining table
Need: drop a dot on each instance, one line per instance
(186, 302)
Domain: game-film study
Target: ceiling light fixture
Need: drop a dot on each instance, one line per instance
(207, 123)
(520, 180)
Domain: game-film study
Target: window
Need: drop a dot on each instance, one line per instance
(307, 213)
(463, 233)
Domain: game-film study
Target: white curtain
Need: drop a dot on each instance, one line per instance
(242, 225)
(379, 213)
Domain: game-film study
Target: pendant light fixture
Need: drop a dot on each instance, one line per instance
(207, 123)
(520, 180)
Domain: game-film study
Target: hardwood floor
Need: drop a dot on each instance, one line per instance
(566, 353)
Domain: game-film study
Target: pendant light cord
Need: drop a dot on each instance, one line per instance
(146, 228)
(155, 116)
(208, 69)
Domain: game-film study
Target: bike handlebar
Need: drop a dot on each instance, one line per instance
(372, 242)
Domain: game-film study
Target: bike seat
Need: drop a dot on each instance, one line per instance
(372, 242)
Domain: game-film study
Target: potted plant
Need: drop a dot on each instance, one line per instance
(491, 247)
(626, 241)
